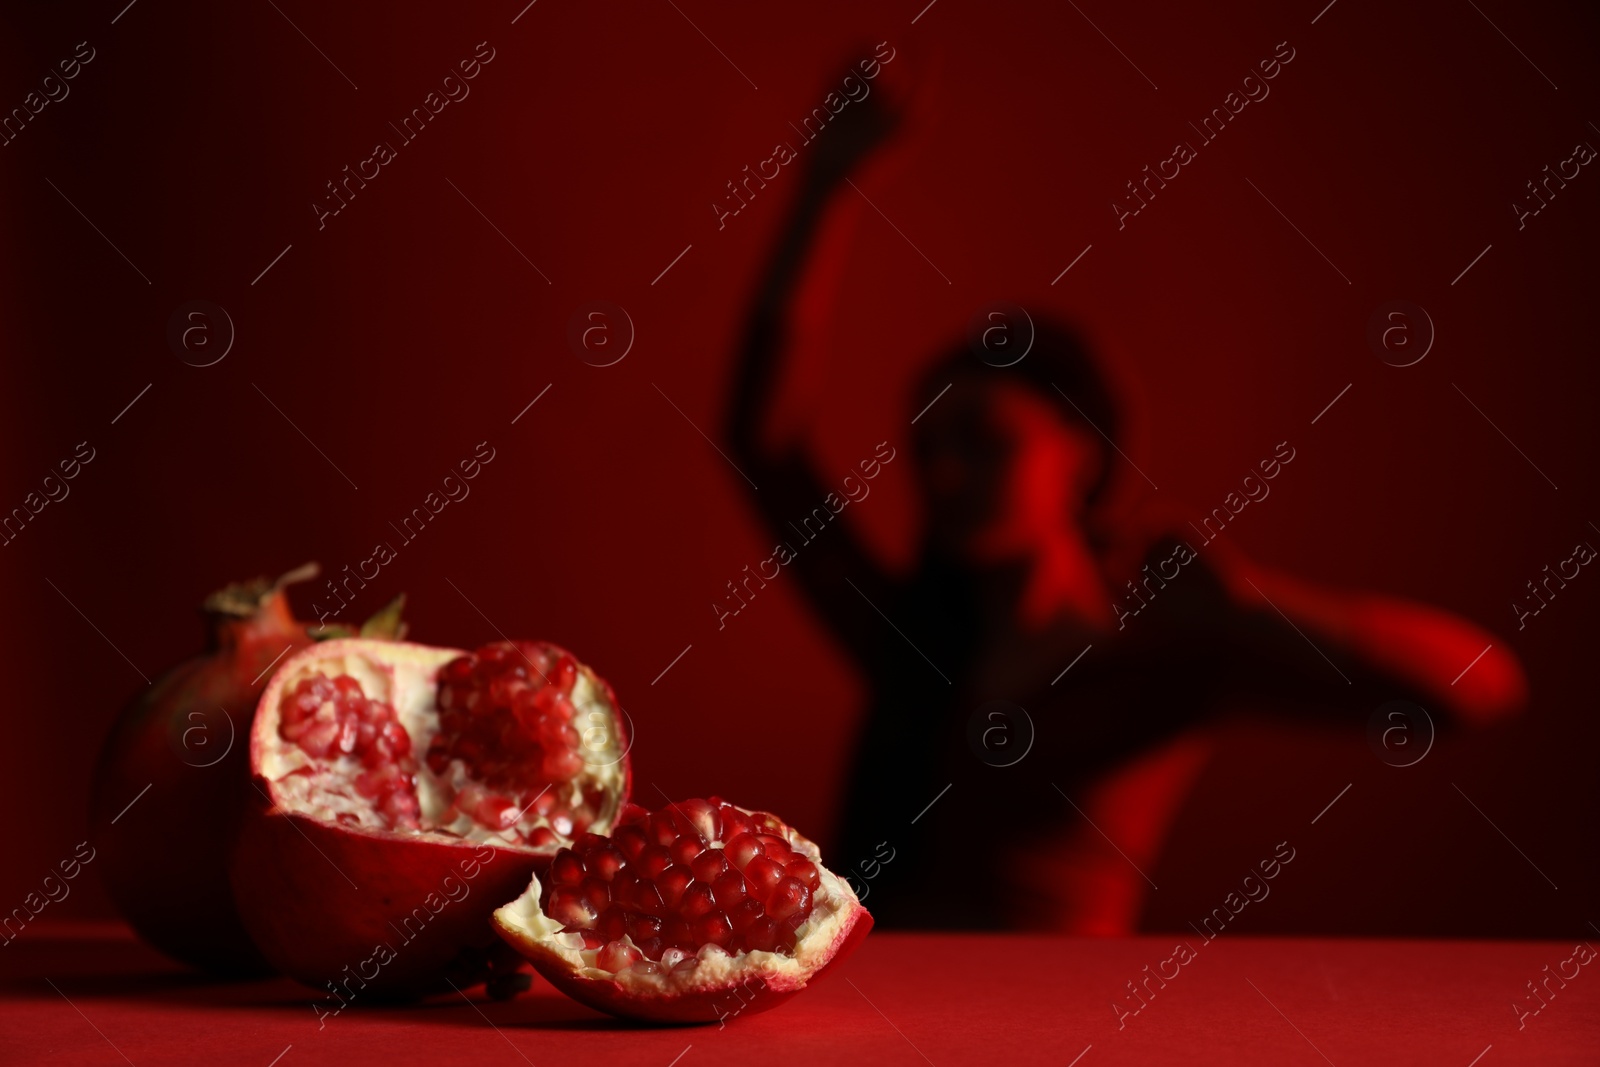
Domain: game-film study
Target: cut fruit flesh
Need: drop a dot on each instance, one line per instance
(680, 907)
(411, 739)
(358, 842)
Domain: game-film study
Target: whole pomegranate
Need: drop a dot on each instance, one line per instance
(170, 783)
(698, 912)
(403, 792)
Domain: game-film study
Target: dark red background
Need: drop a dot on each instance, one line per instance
(407, 331)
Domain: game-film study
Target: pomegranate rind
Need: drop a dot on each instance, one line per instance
(329, 908)
(363, 911)
(720, 986)
(166, 864)
(181, 749)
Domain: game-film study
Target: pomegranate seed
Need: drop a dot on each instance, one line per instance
(597, 893)
(630, 840)
(708, 865)
(653, 860)
(569, 908)
(742, 849)
(676, 932)
(697, 900)
(561, 710)
(712, 929)
(496, 813)
(617, 955)
(734, 823)
(744, 914)
(524, 705)
(564, 673)
(542, 837)
(318, 740)
(604, 863)
(504, 690)
(647, 898)
(762, 935)
(730, 889)
(660, 829)
(561, 766)
(672, 883)
(704, 817)
(396, 737)
(566, 869)
(764, 874)
(791, 897)
(685, 849)
(643, 928)
(804, 870)
(624, 887)
(613, 924)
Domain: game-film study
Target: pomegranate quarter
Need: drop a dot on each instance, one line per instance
(403, 792)
(698, 912)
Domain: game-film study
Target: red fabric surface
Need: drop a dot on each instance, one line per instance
(903, 999)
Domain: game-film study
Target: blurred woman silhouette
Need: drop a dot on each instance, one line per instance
(1020, 570)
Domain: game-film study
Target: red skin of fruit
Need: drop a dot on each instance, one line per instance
(716, 1004)
(701, 1006)
(165, 861)
(315, 926)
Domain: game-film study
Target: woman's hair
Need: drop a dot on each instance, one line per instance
(1058, 367)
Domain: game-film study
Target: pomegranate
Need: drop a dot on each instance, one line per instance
(172, 778)
(402, 792)
(694, 913)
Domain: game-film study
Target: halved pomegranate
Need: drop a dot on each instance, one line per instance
(403, 792)
(698, 912)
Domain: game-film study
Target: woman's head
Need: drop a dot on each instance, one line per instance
(1011, 455)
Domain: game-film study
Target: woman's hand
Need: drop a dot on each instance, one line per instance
(857, 132)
